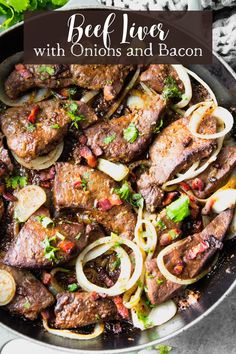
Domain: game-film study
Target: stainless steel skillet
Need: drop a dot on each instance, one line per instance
(213, 288)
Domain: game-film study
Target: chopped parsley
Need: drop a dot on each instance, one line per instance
(124, 192)
(49, 250)
(31, 127)
(55, 126)
(160, 224)
(27, 305)
(72, 113)
(116, 264)
(60, 236)
(163, 349)
(45, 221)
(77, 237)
(73, 287)
(131, 133)
(144, 319)
(16, 182)
(171, 89)
(109, 139)
(158, 127)
(179, 209)
(84, 184)
(149, 304)
(173, 234)
(160, 281)
(46, 69)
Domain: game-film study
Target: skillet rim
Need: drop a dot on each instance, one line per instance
(156, 341)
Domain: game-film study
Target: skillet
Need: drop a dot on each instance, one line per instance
(213, 288)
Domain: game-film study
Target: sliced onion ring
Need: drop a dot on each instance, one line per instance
(200, 110)
(41, 162)
(191, 173)
(88, 96)
(98, 330)
(7, 287)
(183, 76)
(204, 84)
(151, 236)
(130, 85)
(171, 277)
(117, 171)
(125, 281)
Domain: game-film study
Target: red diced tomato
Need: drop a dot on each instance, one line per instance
(197, 184)
(87, 154)
(104, 204)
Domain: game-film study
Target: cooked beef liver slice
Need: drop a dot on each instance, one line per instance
(174, 150)
(156, 75)
(81, 309)
(159, 293)
(29, 144)
(110, 78)
(119, 218)
(217, 173)
(120, 149)
(31, 295)
(27, 249)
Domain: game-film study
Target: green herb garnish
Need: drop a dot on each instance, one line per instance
(160, 281)
(16, 182)
(109, 139)
(45, 221)
(124, 192)
(158, 127)
(49, 250)
(73, 287)
(77, 237)
(46, 69)
(163, 349)
(55, 126)
(173, 234)
(179, 209)
(60, 236)
(131, 133)
(171, 89)
(144, 319)
(72, 113)
(27, 305)
(160, 224)
(31, 127)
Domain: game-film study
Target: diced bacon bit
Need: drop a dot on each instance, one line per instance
(45, 184)
(169, 198)
(48, 175)
(115, 200)
(67, 246)
(45, 315)
(46, 278)
(207, 208)
(33, 114)
(23, 71)
(167, 238)
(122, 310)
(64, 92)
(77, 184)
(199, 248)
(104, 204)
(9, 197)
(184, 186)
(94, 295)
(178, 269)
(83, 139)
(197, 184)
(87, 154)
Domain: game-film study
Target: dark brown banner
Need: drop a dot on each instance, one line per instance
(118, 37)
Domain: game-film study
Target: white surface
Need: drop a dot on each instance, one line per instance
(22, 346)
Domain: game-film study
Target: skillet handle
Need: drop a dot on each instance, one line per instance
(76, 4)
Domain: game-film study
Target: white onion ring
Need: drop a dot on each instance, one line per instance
(194, 173)
(88, 96)
(132, 297)
(204, 84)
(125, 281)
(98, 330)
(184, 77)
(150, 244)
(169, 276)
(130, 85)
(220, 113)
